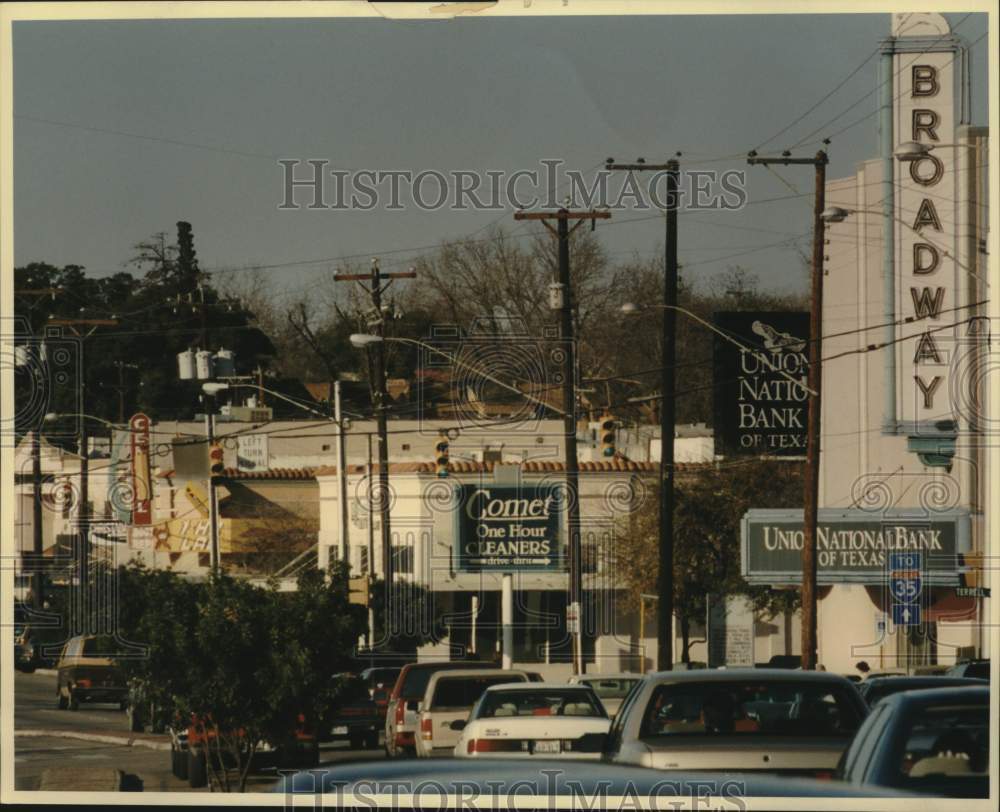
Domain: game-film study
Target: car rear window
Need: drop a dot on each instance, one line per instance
(416, 679)
(555, 702)
(947, 742)
(764, 708)
(100, 647)
(464, 692)
(616, 688)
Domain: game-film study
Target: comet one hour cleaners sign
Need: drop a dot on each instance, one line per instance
(506, 528)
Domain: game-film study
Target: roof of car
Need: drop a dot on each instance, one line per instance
(538, 686)
(461, 673)
(609, 675)
(944, 680)
(933, 696)
(746, 675)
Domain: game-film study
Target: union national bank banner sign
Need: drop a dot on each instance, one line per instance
(852, 546)
(760, 410)
(508, 528)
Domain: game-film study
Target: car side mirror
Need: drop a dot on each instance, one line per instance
(457, 724)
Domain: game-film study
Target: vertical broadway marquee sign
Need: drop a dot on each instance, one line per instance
(142, 492)
(928, 283)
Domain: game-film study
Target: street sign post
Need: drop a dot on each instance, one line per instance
(905, 586)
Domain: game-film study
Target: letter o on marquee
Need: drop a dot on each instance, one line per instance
(922, 178)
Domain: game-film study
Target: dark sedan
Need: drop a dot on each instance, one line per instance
(931, 742)
(878, 688)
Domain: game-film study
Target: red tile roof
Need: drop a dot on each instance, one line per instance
(531, 467)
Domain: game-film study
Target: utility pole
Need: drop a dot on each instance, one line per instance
(38, 538)
(811, 489)
(562, 233)
(83, 511)
(375, 289)
(668, 406)
(345, 548)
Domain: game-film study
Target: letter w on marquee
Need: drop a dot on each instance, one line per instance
(924, 305)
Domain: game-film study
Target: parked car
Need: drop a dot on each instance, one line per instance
(534, 719)
(978, 669)
(402, 713)
(190, 744)
(581, 784)
(87, 672)
(775, 720)
(380, 683)
(880, 687)
(611, 689)
(929, 670)
(24, 653)
(929, 742)
(449, 698)
(354, 716)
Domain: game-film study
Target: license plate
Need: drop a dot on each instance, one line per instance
(547, 746)
(340, 730)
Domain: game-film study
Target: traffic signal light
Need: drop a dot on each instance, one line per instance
(607, 435)
(441, 457)
(216, 461)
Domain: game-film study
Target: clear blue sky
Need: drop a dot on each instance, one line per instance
(464, 94)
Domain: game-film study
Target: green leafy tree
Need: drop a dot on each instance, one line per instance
(708, 508)
(242, 664)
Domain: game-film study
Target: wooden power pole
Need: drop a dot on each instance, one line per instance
(562, 233)
(811, 489)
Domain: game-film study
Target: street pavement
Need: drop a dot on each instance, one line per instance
(97, 736)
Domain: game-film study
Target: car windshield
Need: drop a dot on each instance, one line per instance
(947, 741)
(353, 689)
(766, 708)
(463, 692)
(554, 702)
(612, 688)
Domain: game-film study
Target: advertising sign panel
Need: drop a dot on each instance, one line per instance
(758, 410)
(141, 509)
(853, 546)
(508, 528)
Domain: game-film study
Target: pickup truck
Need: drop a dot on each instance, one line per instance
(355, 716)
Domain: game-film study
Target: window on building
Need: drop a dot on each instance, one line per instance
(493, 455)
(402, 559)
(406, 446)
(325, 447)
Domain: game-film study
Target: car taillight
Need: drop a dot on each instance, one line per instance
(400, 710)
(426, 729)
(824, 775)
(83, 683)
(494, 745)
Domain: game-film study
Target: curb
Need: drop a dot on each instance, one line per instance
(125, 740)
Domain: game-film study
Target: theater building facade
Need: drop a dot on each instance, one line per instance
(902, 462)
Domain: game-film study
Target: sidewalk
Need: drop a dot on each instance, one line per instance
(151, 741)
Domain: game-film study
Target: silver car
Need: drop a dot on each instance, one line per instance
(772, 720)
(611, 689)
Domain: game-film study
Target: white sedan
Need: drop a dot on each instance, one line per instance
(521, 720)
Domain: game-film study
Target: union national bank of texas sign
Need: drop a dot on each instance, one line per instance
(508, 528)
(853, 546)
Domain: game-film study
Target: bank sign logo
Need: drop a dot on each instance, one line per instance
(759, 407)
(508, 528)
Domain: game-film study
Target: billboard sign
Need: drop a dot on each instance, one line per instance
(759, 409)
(853, 546)
(508, 528)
